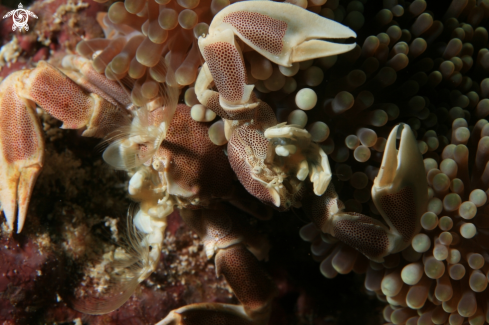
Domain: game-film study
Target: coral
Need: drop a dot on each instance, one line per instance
(10, 52)
(60, 26)
(28, 267)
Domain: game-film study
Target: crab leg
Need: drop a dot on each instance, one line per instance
(236, 248)
(288, 38)
(21, 142)
(225, 66)
(82, 72)
(400, 193)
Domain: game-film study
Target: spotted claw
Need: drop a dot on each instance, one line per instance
(400, 193)
(21, 139)
(282, 32)
(21, 154)
(400, 190)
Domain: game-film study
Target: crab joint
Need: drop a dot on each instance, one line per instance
(286, 150)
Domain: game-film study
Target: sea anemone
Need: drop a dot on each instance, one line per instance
(429, 74)
(143, 39)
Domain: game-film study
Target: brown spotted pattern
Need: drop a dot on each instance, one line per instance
(106, 119)
(219, 226)
(265, 117)
(222, 225)
(400, 209)
(320, 208)
(17, 130)
(195, 163)
(250, 283)
(60, 97)
(228, 70)
(363, 235)
(264, 32)
(248, 148)
(248, 137)
(360, 233)
(156, 116)
(108, 89)
(213, 225)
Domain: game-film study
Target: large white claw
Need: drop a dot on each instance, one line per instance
(400, 190)
(400, 193)
(291, 32)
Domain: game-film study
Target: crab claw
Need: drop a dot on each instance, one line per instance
(234, 244)
(289, 34)
(400, 190)
(21, 140)
(21, 154)
(400, 193)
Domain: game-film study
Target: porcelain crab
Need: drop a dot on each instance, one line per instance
(173, 163)
(272, 160)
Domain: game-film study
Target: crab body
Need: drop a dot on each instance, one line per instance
(172, 162)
